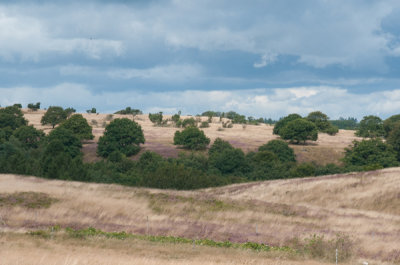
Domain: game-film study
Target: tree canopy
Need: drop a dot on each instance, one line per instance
(279, 125)
(371, 126)
(53, 116)
(299, 130)
(121, 135)
(281, 149)
(79, 126)
(321, 120)
(372, 153)
(191, 138)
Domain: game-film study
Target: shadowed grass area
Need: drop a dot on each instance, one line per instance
(32, 200)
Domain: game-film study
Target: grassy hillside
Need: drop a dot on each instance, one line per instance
(363, 206)
(328, 149)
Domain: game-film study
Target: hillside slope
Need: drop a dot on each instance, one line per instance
(328, 149)
(364, 206)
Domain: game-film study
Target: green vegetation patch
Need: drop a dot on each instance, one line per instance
(92, 232)
(32, 200)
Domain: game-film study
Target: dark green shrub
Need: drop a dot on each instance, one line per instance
(191, 138)
(34, 107)
(332, 130)
(204, 124)
(71, 145)
(121, 135)
(12, 118)
(281, 149)
(53, 116)
(189, 122)
(29, 136)
(79, 126)
(299, 131)
(284, 121)
(390, 123)
(92, 110)
(370, 152)
(393, 138)
(302, 170)
(156, 118)
(371, 126)
(129, 110)
(175, 118)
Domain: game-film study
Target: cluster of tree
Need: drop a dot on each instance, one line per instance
(92, 110)
(26, 150)
(156, 118)
(55, 115)
(236, 117)
(34, 107)
(297, 129)
(129, 110)
(346, 124)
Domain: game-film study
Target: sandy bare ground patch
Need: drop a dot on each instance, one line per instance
(328, 149)
(364, 206)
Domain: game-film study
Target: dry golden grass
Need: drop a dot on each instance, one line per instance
(24, 249)
(364, 206)
(328, 149)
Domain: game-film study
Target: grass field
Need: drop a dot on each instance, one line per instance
(328, 149)
(363, 206)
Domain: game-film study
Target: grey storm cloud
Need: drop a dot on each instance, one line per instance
(168, 47)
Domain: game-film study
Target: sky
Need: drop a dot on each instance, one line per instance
(259, 58)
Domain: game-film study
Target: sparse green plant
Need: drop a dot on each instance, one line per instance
(204, 124)
(109, 117)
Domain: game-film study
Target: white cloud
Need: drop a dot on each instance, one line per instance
(319, 33)
(28, 38)
(275, 103)
(266, 59)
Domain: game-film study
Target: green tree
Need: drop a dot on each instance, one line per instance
(53, 116)
(79, 126)
(390, 123)
(156, 118)
(372, 153)
(34, 107)
(129, 110)
(224, 157)
(29, 136)
(191, 138)
(279, 125)
(321, 120)
(281, 149)
(71, 144)
(299, 130)
(92, 110)
(121, 135)
(394, 138)
(188, 122)
(12, 118)
(371, 126)
(57, 163)
(69, 111)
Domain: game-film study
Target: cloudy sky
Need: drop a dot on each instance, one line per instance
(260, 58)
